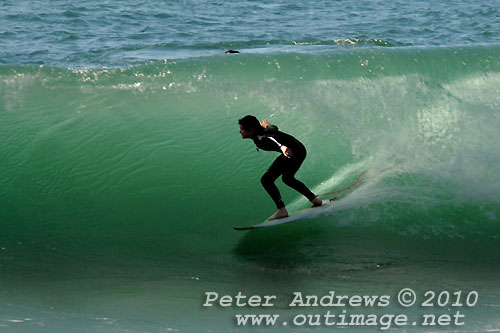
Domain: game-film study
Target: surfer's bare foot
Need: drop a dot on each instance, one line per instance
(280, 213)
(316, 202)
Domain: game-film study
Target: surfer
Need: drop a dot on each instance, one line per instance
(268, 137)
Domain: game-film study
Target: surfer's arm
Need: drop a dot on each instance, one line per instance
(284, 149)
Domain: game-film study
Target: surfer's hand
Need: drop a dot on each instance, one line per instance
(265, 123)
(286, 151)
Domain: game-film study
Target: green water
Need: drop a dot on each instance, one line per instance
(119, 187)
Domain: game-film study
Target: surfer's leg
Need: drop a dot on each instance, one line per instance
(268, 180)
(297, 185)
(289, 179)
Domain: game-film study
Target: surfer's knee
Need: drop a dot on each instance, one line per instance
(266, 179)
(288, 179)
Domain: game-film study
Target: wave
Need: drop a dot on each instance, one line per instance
(115, 154)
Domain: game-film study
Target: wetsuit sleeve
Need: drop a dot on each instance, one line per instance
(282, 139)
(274, 140)
(278, 140)
(270, 130)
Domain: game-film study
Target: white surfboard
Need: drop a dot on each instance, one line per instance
(301, 214)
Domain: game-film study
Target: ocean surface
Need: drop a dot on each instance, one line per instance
(122, 170)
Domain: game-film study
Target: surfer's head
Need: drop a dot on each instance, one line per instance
(249, 125)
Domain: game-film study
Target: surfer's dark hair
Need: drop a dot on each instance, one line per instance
(249, 122)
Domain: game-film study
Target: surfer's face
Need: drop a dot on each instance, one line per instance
(246, 134)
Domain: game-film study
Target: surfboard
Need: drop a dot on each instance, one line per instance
(307, 212)
(299, 215)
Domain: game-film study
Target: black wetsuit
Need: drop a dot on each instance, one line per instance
(271, 139)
